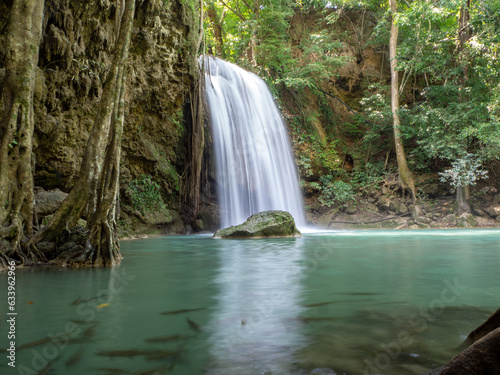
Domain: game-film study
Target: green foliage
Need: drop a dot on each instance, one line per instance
(334, 191)
(450, 93)
(447, 127)
(464, 171)
(145, 194)
(368, 175)
(304, 164)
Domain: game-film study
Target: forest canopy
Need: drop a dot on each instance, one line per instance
(447, 59)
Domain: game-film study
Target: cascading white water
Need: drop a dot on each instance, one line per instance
(255, 167)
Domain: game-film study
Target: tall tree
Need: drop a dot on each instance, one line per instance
(16, 128)
(405, 175)
(464, 34)
(217, 30)
(96, 190)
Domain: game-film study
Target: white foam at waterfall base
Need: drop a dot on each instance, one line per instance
(256, 170)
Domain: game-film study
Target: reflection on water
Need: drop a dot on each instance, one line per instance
(254, 329)
(347, 302)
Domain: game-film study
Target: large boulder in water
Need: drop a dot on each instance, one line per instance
(481, 358)
(481, 355)
(263, 224)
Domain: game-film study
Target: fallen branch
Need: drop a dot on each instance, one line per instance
(372, 221)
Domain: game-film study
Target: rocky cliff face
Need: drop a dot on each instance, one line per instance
(75, 54)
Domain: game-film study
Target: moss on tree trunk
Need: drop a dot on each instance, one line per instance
(16, 129)
(405, 176)
(97, 187)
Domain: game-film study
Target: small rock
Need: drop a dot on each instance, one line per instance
(423, 220)
(371, 207)
(383, 203)
(449, 219)
(47, 202)
(416, 212)
(493, 211)
(402, 209)
(466, 220)
(478, 212)
(199, 225)
(351, 209)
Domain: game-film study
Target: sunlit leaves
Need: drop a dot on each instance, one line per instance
(464, 171)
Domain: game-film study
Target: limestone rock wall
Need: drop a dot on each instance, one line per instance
(75, 54)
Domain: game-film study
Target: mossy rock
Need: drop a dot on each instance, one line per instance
(262, 225)
(160, 215)
(466, 220)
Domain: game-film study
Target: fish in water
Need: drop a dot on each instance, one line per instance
(194, 326)
(306, 319)
(165, 354)
(122, 353)
(112, 371)
(77, 321)
(80, 300)
(169, 338)
(155, 371)
(360, 294)
(89, 332)
(41, 341)
(319, 304)
(174, 312)
(76, 357)
(103, 305)
(48, 367)
(80, 340)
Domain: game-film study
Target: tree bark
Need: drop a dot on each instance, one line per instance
(464, 34)
(196, 138)
(405, 175)
(16, 128)
(97, 185)
(217, 28)
(196, 145)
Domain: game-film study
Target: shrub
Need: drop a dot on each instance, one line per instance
(145, 194)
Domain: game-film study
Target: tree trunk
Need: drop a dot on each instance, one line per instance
(464, 34)
(196, 138)
(463, 196)
(97, 186)
(217, 28)
(196, 145)
(102, 247)
(16, 128)
(405, 175)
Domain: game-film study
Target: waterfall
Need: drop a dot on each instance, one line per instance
(255, 166)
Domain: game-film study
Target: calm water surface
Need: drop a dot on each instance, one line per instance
(347, 302)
